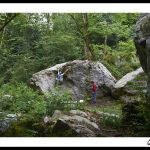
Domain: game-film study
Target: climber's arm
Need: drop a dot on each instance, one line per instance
(65, 71)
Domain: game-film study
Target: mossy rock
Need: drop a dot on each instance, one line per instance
(28, 126)
(61, 129)
(18, 131)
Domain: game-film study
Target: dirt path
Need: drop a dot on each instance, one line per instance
(105, 101)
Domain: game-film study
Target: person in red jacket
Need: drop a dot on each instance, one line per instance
(93, 92)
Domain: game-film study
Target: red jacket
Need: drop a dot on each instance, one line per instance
(94, 87)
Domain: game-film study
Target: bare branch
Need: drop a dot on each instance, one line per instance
(8, 21)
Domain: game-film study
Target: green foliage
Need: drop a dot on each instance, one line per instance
(101, 51)
(87, 97)
(61, 100)
(134, 121)
(123, 56)
(114, 70)
(126, 46)
(111, 121)
(19, 98)
(32, 42)
(114, 108)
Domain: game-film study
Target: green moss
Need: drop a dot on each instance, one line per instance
(18, 131)
(145, 27)
(141, 77)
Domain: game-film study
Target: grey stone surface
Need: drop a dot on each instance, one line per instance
(77, 79)
(6, 121)
(74, 123)
(131, 85)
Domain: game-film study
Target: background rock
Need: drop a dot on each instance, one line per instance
(131, 86)
(142, 32)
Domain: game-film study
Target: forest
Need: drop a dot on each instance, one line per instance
(94, 46)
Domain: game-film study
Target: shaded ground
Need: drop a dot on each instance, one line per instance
(110, 127)
(105, 101)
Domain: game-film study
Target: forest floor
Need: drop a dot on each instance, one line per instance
(105, 101)
(110, 126)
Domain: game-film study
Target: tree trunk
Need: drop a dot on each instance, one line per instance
(2, 38)
(7, 21)
(87, 48)
(105, 45)
(83, 30)
(48, 21)
(105, 41)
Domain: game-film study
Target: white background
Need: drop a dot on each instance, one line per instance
(95, 8)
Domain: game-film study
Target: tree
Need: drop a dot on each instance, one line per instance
(34, 41)
(82, 26)
(5, 19)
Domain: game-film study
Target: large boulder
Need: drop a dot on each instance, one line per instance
(131, 85)
(77, 79)
(75, 123)
(142, 33)
(7, 120)
(128, 77)
(78, 126)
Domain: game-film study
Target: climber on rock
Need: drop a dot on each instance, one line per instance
(60, 75)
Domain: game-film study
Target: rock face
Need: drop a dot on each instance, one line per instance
(5, 122)
(77, 79)
(76, 123)
(142, 43)
(142, 30)
(131, 85)
(131, 90)
(127, 78)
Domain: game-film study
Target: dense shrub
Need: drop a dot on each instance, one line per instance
(61, 100)
(19, 98)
